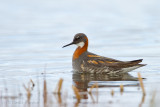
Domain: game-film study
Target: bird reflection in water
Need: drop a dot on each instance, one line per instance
(84, 81)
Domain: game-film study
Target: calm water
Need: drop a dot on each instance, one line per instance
(32, 34)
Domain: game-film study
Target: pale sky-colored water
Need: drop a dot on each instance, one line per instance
(129, 24)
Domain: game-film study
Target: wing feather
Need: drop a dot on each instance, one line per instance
(100, 61)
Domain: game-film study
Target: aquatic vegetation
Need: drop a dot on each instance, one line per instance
(141, 83)
(81, 90)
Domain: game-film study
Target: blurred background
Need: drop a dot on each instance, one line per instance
(32, 33)
(49, 24)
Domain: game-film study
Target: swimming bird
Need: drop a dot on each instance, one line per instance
(84, 61)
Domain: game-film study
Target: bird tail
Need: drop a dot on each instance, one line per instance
(132, 65)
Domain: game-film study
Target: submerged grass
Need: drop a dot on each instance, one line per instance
(28, 90)
(32, 82)
(62, 97)
(112, 92)
(141, 83)
(152, 101)
(45, 93)
(93, 86)
(92, 98)
(143, 90)
(76, 92)
(121, 89)
(59, 87)
(90, 91)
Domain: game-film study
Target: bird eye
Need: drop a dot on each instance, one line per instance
(77, 38)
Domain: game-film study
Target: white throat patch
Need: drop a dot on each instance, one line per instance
(81, 44)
